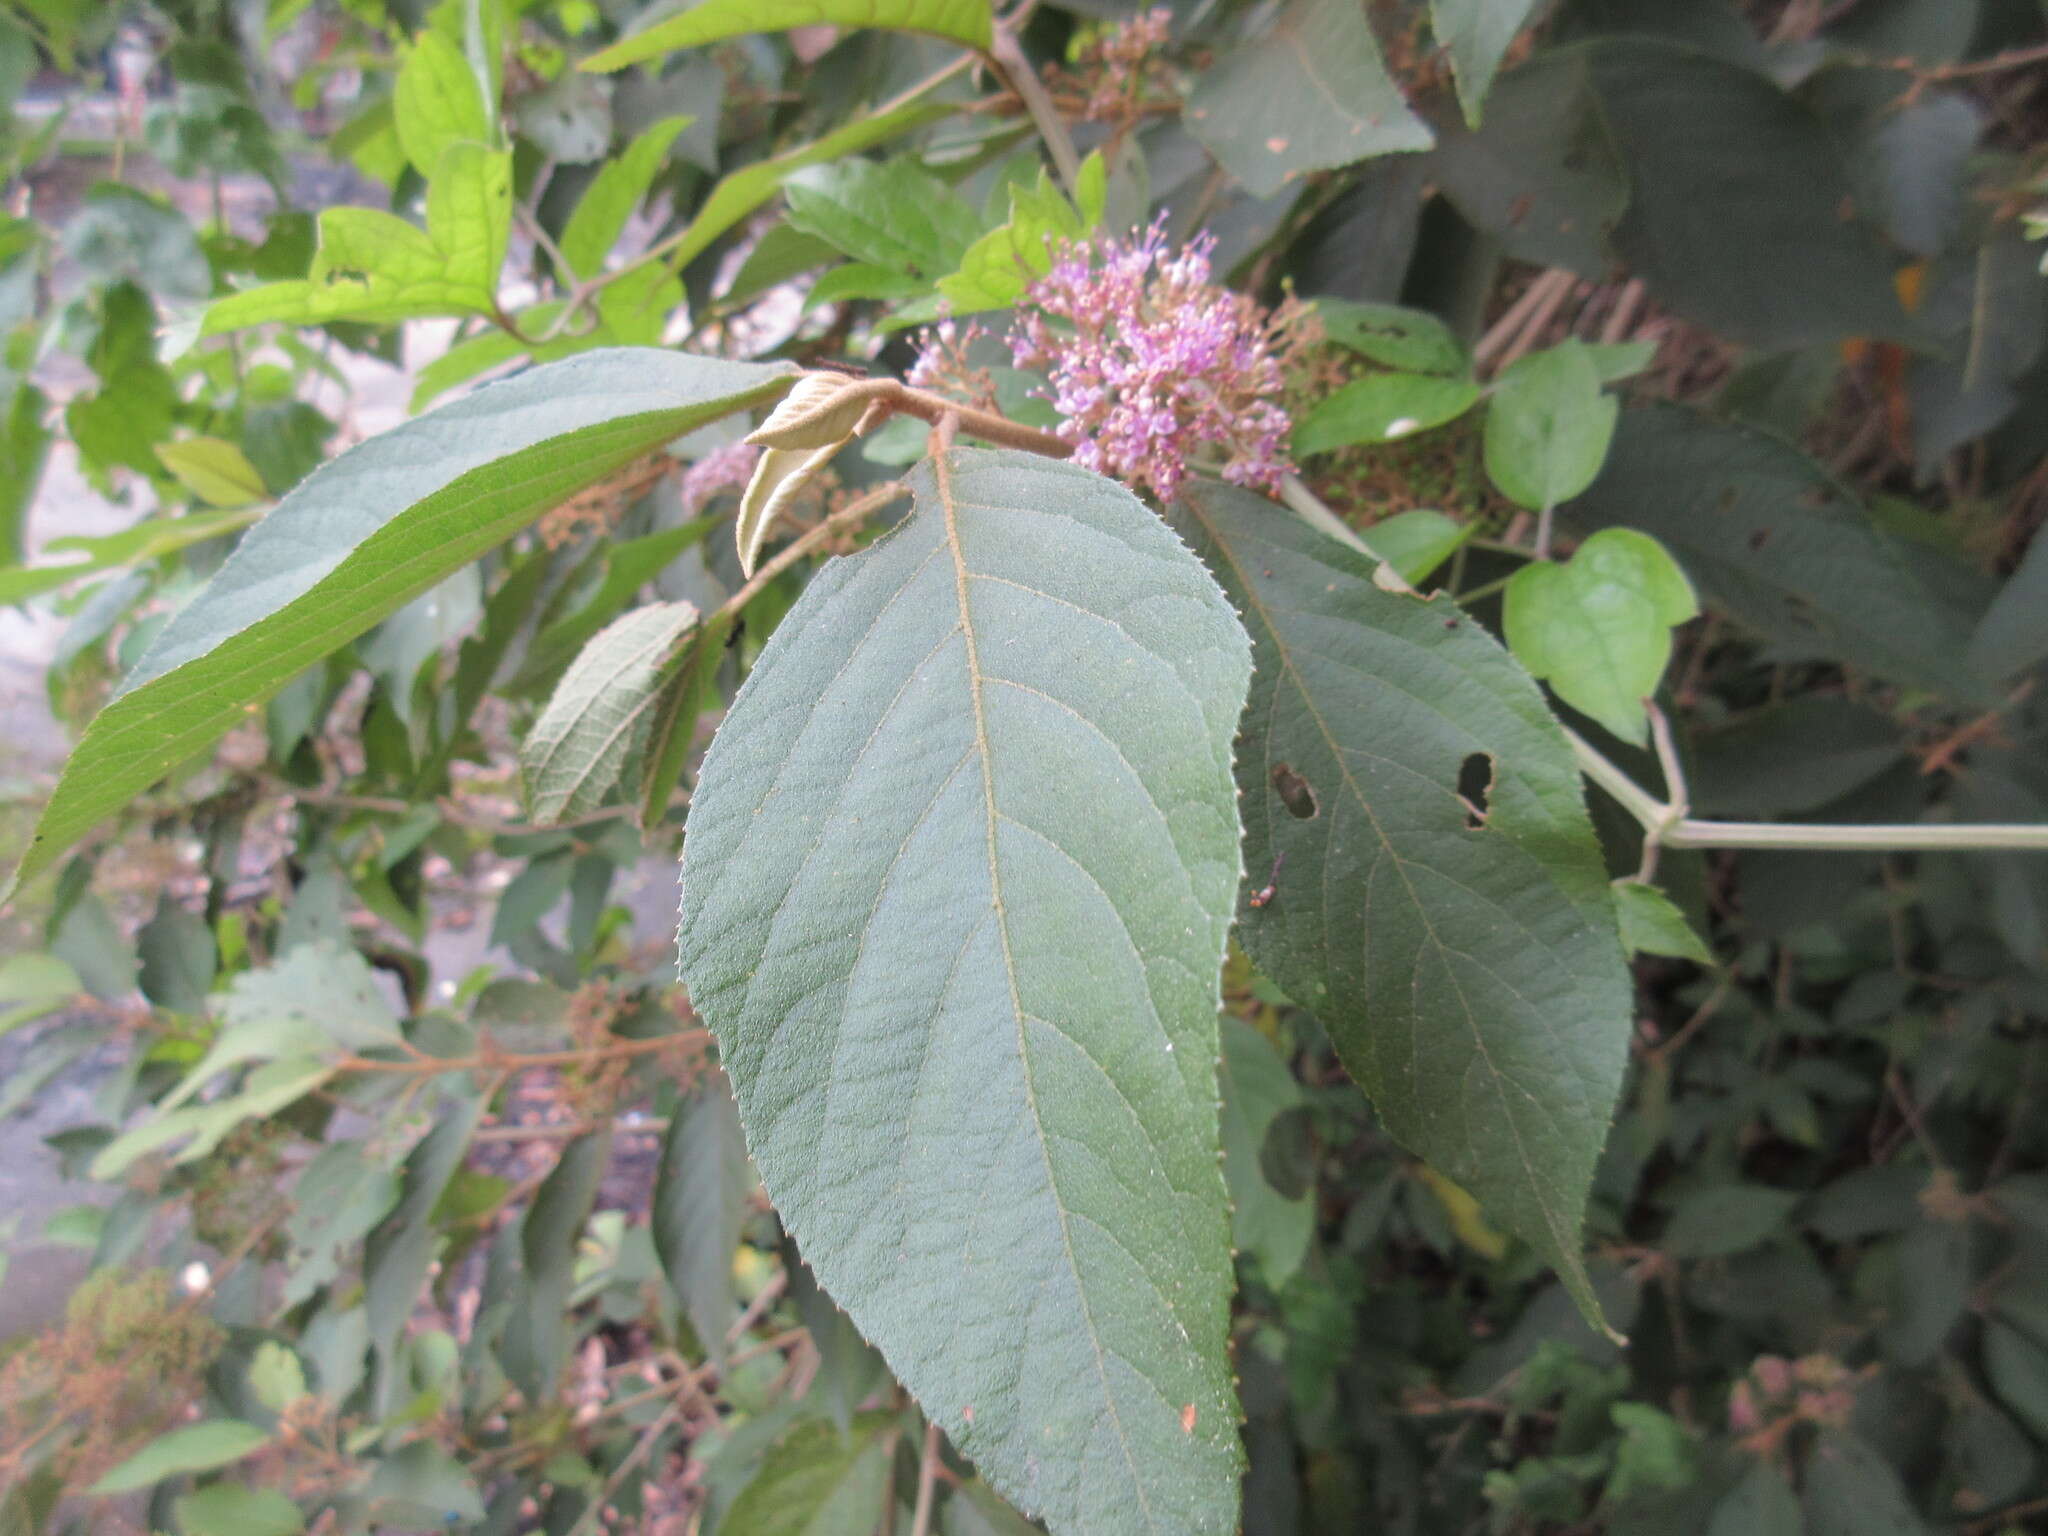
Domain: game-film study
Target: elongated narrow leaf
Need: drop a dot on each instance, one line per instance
(1305, 92)
(602, 711)
(537, 1337)
(190, 1448)
(368, 532)
(614, 192)
(1471, 976)
(961, 21)
(958, 873)
(701, 1191)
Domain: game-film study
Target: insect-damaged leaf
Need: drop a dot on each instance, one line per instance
(1471, 976)
(958, 872)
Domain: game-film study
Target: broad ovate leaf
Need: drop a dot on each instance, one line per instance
(957, 877)
(367, 533)
(966, 22)
(1549, 427)
(1466, 965)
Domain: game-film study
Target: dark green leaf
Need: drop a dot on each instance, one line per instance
(933, 841)
(1726, 1218)
(818, 1481)
(1257, 1088)
(227, 1509)
(1472, 977)
(2018, 1371)
(401, 1250)
(537, 1335)
(1381, 408)
(1852, 1491)
(896, 216)
(191, 1448)
(1476, 34)
(701, 1190)
(1651, 924)
(1303, 92)
(2013, 634)
(961, 21)
(178, 957)
(1791, 757)
(368, 532)
(1409, 339)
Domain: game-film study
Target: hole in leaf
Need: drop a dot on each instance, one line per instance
(1475, 783)
(1294, 791)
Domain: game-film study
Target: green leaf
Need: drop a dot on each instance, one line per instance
(1598, 627)
(214, 470)
(692, 688)
(420, 1487)
(817, 1481)
(1792, 757)
(1778, 544)
(227, 1509)
(178, 958)
(1852, 1491)
(968, 833)
(997, 268)
(614, 192)
(365, 534)
(2013, 634)
(192, 1448)
(1721, 1219)
(1762, 1504)
(32, 985)
(1306, 91)
(701, 1189)
(399, 1253)
(961, 21)
(276, 1377)
(1651, 924)
(436, 103)
(1382, 408)
(150, 539)
(1549, 427)
(2017, 1369)
(897, 216)
(1476, 34)
(602, 711)
(1416, 543)
(270, 1088)
(1471, 977)
(1409, 339)
(537, 1336)
(1257, 1088)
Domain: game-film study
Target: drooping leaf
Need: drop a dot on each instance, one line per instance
(366, 533)
(1471, 977)
(1476, 34)
(399, 1253)
(1651, 924)
(956, 883)
(536, 1338)
(1598, 627)
(1304, 92)
(1549, 426)
(819, 1480)
(961, 21)
(191, 1448)
(1780, 545)
(1258, 1088)
(1383, 408)
(602, 711)
(701, 1190)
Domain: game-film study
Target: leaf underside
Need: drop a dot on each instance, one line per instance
(957, 879)
(1471, 976)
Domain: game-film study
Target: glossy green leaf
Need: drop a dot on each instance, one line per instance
(1598, 628)
(1778, 544)
(1383, 408)
(602, 711)
(228, 1509)
(614, 192)
(1257, 1088)
(1476, 34)
(701, 1190)
(961, 21)
(1471, 977)
(819, 1481)
(368, 532)
(957, 878)
(897, 216)
(1409, 339)
(1415, 543)
(1304, 92)
(1549, 427)
(190, 1448)
(1651, 924)
(214, 470)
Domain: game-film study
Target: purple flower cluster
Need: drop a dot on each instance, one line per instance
(1152, 364)
(729, 466)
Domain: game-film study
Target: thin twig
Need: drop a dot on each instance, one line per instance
(927, 1482)
(1009, 61)
(508, 1061)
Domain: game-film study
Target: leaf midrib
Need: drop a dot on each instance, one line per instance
(1255, 601)
(942, 477)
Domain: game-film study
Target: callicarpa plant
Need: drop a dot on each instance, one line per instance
(1139, 569)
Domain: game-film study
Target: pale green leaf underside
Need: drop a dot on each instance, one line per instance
(368, 532)
(958, 874)
(961, 21)
(1476, 34)
(1472, 978)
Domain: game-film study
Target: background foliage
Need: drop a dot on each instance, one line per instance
(484, 1250)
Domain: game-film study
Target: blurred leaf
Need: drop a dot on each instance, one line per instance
(702, 1186)
(1381, 408)
(614, 192)
(214, 470)
(817, 1482)
(192, 1448)
(178, 958)
(228, 1509)
(1852, 1491)
(537, 1335)
(961, 21)
(2018, 1371)
(1497, 944)
(1476, 34)
(1721, 1219)
(1257, 1088)
(895, 215)
(1409, 339)
(1791, 757)
(420, 1487)
(1549, 426)
(1305, 91)
(276, 1377)
(402, 1249)
(1598, 628)
(1416, 543)
(2012, 637)
(32, 985)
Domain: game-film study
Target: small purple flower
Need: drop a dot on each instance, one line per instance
(730, 466)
